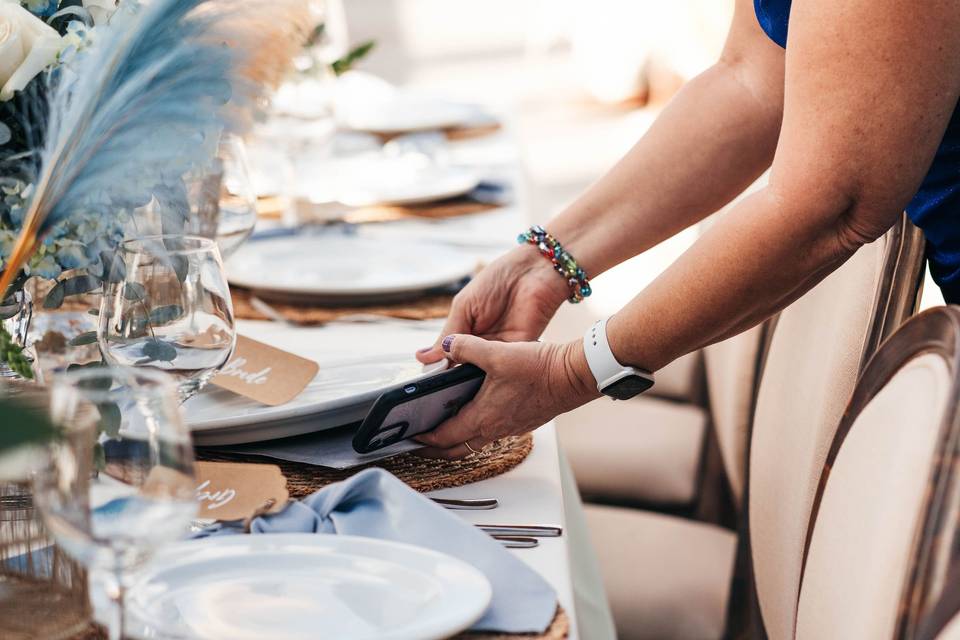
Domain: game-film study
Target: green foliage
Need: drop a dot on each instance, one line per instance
(21, 426)
(12, 354)
(353, 56)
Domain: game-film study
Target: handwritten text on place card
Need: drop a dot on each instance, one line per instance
(266, 374)
(235, 490)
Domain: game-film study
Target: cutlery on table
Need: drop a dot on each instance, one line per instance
(525, 530)
(468, 504)
(517, 542)
(271, 313)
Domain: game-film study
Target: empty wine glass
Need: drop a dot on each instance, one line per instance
(223, 205)
(119, 484)
(167, 306)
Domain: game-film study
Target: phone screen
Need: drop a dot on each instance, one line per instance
(424, 413)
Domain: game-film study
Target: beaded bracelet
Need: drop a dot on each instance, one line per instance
(563, 262)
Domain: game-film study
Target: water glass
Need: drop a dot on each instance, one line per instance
(223, 205)
(120, 483)
(167, 306)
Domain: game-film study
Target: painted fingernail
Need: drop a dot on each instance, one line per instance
(447, 343)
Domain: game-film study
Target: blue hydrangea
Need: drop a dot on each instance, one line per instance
(44, 266)
(42, 8)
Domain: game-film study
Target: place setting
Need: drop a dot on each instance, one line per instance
(205, 374)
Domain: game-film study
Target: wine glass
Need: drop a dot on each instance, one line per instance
(119, 483)
(223, 205)
(167, 306)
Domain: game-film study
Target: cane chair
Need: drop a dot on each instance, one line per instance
(885, 514)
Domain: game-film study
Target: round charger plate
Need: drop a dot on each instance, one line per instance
(358, 361)
(342, 268)
(312, 586)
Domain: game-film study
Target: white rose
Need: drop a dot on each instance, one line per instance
(27, 46)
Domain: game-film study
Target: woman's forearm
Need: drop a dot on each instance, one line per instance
(711, 142)
(758, 259)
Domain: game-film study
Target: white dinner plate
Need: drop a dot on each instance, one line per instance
(364, 102)
(338, 395)
(338, 268)
(403, 184)
(358, 361)
(312, 586)
(371, 178)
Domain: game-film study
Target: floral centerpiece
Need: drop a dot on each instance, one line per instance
(37, 37)
(104, 109)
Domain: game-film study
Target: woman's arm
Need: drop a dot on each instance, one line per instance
(711, 142)
(713, 139)
(870, 87)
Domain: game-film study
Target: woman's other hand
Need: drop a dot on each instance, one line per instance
(510, 300)
(527, 385)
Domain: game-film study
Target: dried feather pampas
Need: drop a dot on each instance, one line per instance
(140, 104)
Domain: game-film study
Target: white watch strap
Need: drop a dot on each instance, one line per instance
(603, 364)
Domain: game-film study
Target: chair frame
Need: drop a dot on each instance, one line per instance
(898, 298)
(936, 331)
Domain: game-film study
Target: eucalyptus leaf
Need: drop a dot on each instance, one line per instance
(54, 298)
(109, 419)
(157, 349)
(87, 337)
(167, 313)
(99, 457)
(181, 266)
(134, 291)
(114, 269)
(80, 284)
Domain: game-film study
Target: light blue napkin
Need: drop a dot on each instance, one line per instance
(376, 504)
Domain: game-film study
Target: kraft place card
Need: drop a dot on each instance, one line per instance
(265, 374)
(235, 490)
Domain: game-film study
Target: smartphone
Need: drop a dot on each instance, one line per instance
(417, 407)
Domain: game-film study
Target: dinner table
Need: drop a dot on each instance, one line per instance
(538, 490)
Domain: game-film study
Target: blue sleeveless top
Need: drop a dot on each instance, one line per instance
(936, 206)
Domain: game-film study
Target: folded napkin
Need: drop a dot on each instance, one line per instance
(376, 504)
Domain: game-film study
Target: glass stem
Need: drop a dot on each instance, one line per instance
(119, 593)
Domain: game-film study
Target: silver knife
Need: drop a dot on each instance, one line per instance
(474, 504)
(517, 542)
(528, 530)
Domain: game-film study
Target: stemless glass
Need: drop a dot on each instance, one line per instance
(223, 206)
(119, 483)
(167, 306)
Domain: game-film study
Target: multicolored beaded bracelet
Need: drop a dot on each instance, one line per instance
(563, 262)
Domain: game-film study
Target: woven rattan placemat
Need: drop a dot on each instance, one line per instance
(428, 307)
(422, 474)
(558, 630)
(273, 208)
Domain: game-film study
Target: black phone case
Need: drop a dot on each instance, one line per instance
(370, 436)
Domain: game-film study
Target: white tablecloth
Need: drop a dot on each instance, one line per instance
(531, 494)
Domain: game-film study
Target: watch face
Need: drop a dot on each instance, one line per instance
(627, 387)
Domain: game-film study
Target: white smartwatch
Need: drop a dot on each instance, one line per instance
(613, 379)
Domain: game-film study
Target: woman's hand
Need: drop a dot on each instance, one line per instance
(510, 300)
(527, 384)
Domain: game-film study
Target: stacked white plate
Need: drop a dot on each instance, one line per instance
(358, 362)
